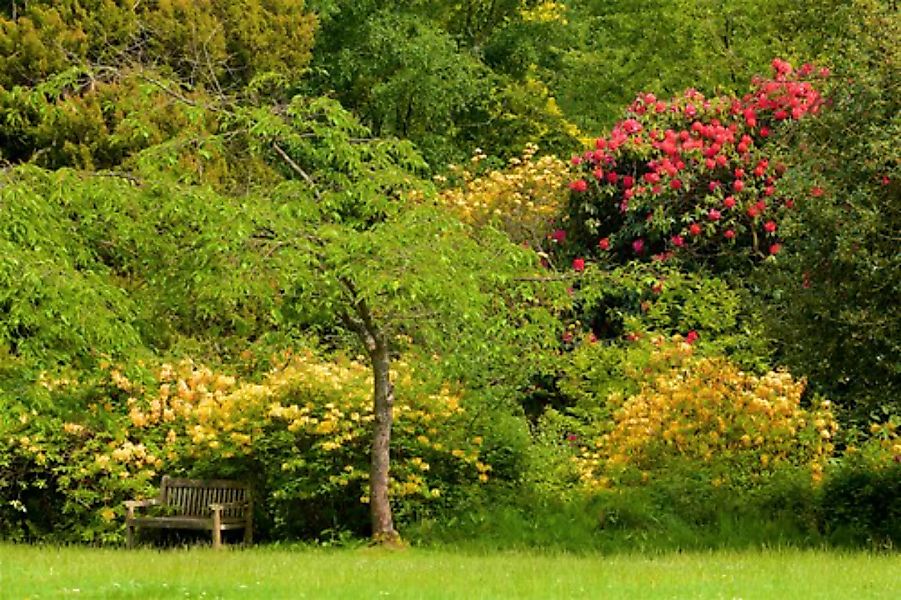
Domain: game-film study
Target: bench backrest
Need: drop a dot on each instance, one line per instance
(192, 497)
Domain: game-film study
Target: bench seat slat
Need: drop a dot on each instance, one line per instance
(185, 523)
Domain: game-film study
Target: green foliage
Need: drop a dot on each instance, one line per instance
(639, 299)
(832, 301)
(236, 196)
(862, 506)
(421, 70)
(214, 43)
(619, 48)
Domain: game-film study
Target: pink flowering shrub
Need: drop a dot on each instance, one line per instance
(691, 175)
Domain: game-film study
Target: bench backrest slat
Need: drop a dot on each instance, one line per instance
(192, 497)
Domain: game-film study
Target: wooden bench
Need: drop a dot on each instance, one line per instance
(214, 505)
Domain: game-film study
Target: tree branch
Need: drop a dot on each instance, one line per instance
(297, 169)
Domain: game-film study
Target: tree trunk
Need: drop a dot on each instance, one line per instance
(379, 504)
(373, 339)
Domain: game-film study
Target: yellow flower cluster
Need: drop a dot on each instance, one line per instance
(883, 447)
(521, 199)
(196, 413)
(546, 11)
(708, 411)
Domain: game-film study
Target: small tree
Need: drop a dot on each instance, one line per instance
(388, 265)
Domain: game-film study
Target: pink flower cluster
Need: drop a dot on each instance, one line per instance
(690, 173)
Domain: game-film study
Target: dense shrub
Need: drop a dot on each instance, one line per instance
(301, 435)
(861, 505)
(691, 175)
(520, 199)
(735, 429)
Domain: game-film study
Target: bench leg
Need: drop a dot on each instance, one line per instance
(217, 530)
(129, 536)
(248, 534)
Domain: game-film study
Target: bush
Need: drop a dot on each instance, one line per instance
(690, 176)
(301, 435)
(860, 501)
(734, 427)
(862, 506)
(520, 199)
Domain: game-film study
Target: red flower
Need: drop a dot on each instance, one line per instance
(753, 212)
(678, 241)
(692, 336)
(770, 226)
(817, 191)
(729, 202)
(579, 186)
(628, 181)
(738, 185)
(714, 215)
(604, 244)
(675, 184)
(775, 248)
(694, 229)
(612, 177)
(885, 180)
(579, 264)
(638, 246)
(558, 236)
(729, 234)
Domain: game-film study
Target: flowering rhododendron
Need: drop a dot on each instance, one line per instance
(579, 186)
(734, 425)
(679, 175)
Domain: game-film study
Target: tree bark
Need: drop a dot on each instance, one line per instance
(379, 503)
(376, 344)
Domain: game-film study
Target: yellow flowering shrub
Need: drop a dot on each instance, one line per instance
(546, 11)
(301, 435)
(706, 412)
(521, 199)
(881, 448)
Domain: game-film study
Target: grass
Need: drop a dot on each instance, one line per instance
(273, 572)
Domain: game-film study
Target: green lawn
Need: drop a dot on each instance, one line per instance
(51, 572)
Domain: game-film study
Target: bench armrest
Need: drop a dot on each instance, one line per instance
(141, 503)
(131, 505)
(227, 505)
